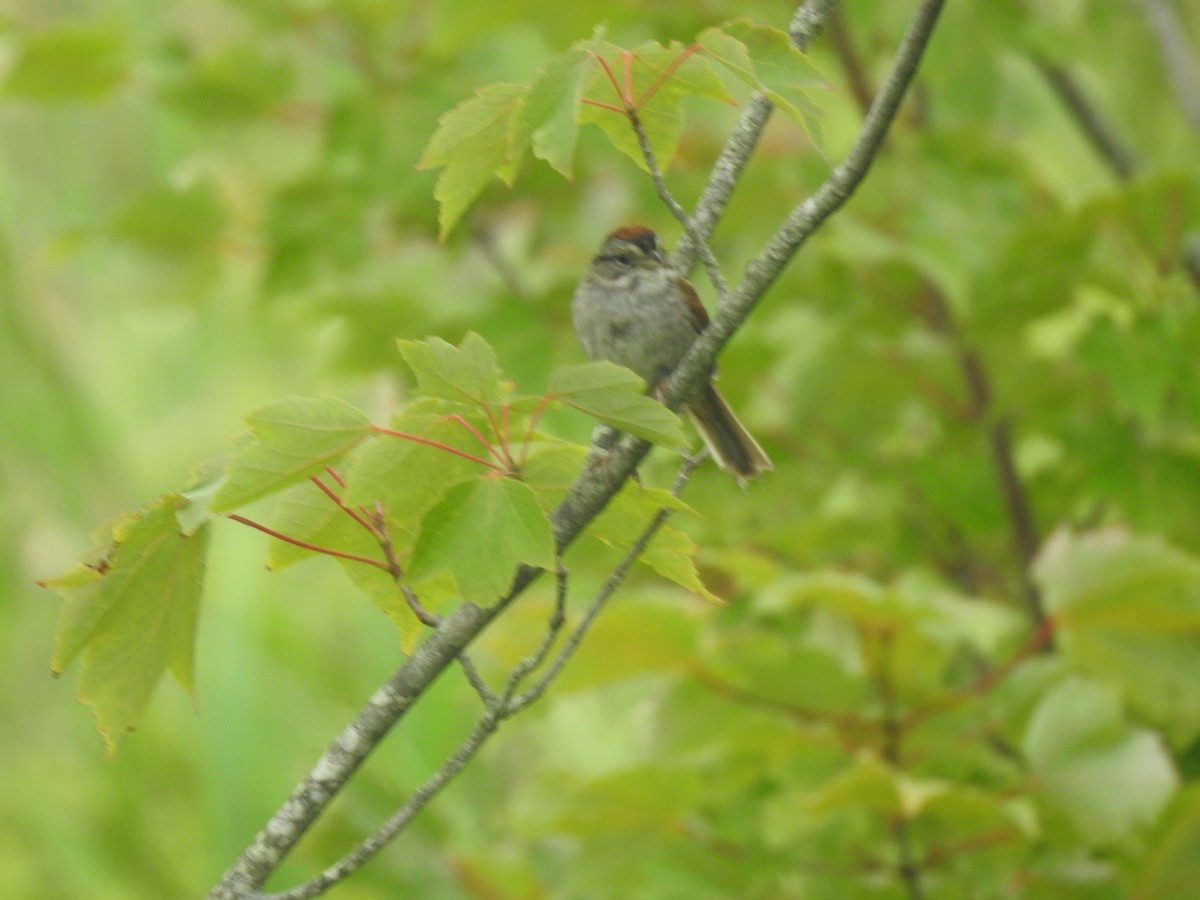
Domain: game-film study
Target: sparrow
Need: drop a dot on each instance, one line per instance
(634, 309)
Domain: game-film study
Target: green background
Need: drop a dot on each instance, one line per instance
(205, 206)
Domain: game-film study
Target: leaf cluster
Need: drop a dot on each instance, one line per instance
(960, 657)
(440, 506)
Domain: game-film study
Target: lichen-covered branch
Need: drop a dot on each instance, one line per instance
(598, 483)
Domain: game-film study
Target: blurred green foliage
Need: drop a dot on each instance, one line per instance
(207, 206)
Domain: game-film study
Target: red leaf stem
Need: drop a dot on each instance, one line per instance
(328, 551)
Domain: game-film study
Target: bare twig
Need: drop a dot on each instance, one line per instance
(497, 708)
(856, 75)
(348, 751)
(764, 269)
(727, 170)
(354, 860)
(486, 694)
(711, 266)
(981, 409)
(599, 481)
(553, 626)
(1109, 144)
(610, 587)
(1103, 136)
(1183, 70)
(892, 750)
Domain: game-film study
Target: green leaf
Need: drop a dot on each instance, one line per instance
(766, 59)
(1128, 612)
(473, 142)
(1142, 363)
(551, 469)
(314, 226)
(671, 553)
(868, 783)
(293, 439)
(408, 476)
(74, 62)
(131, 611)
(206, 479)
(549, 118)
(658, 88)
(1109, 779)
(1031, 273)
(480, 532)
(617, 397)
(467, 373)
(382, 590)
(306, 513)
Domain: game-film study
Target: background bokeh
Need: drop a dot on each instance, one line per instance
(205, 206)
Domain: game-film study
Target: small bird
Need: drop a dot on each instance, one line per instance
(634, 309)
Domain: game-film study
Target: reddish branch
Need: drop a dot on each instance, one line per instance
(416, 438)
(296, 542)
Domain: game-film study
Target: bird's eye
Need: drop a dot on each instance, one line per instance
(648, 244)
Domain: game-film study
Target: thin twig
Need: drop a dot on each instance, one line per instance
(571, 644)
(384, 537)
(553, 626)
(1109, 144)
(596, 485)
(1181, 64)
(892, 750)
(1100, 132)
(711, 266)
(856, 74)
(727, 170)
(845, 178)
(348, 751)
(424, 616)
(486, 694)
(355, 859)
(497, 709)
(1182, 68)
(1023, 528)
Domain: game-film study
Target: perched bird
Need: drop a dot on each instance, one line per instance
(634, 309)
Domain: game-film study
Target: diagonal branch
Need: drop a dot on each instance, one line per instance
(1104, 137)
(600, 479)
(1183, 69)
(499, 708)
(1111, 146)
(806, 24)
(800, 224)
(1023, 530)
(698, 240)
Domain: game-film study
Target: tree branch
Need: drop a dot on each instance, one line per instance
(1099, 131)
(1180, 63)
(1023, 530)
(498, 708)
(1108, 143)
(764, 269)
(806, 24)
(600, 480)
(348, 751)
